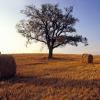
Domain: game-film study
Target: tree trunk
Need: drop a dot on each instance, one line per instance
(50, 55)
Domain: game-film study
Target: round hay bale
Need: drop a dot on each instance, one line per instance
(87, 58)
(7, 66)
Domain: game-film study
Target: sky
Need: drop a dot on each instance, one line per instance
(87, 11)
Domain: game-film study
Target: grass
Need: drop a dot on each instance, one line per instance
(63, 78)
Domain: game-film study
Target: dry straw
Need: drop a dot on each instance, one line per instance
(7, 66)
(87, 59)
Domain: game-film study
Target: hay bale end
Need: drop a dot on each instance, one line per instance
(87, 59)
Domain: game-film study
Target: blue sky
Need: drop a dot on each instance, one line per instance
(87, 11)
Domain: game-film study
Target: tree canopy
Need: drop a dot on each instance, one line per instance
(51, 26)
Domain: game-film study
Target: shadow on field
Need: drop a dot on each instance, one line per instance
(31, 64)
(64, 59)
(55, 82)
(96, 62)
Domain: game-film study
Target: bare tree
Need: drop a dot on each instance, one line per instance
(51, 26)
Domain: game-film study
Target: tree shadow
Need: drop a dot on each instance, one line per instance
(55, 82)
(63, 59)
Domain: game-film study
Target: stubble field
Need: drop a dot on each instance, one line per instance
(63, 78)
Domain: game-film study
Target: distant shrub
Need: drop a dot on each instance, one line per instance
(87, 58)
(7, 66)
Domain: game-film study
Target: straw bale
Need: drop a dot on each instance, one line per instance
(7, 66)
(87, 58)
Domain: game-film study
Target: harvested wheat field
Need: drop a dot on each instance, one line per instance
(63, 78)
